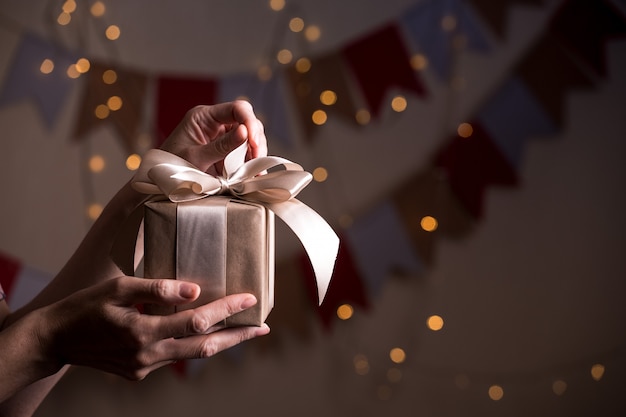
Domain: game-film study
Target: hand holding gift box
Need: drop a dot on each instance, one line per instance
(218, 231)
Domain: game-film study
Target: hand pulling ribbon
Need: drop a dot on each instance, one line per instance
(163, 173)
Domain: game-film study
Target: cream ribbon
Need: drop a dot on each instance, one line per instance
(163, 173)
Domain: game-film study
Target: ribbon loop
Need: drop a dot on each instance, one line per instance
(163, 173)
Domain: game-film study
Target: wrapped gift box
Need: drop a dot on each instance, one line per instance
(224, 244)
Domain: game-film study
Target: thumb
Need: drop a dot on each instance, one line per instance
(216, 150)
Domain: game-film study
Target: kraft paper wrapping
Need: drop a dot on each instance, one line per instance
(225, 245)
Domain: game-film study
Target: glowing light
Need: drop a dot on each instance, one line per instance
(64, 19)
(102, 111)
(112, 32)
(96, 163)
(435, 323)
(296, 24)
(264, 73)
(319, 117)
(398, 104)
(72, 71)
(345, 311)
(303, 65)
(328, 97)
(94, 211)
(109, 77)
(397, 355)
(362, 117)
(133, 161)
(114, 103)
(448, 23)
(383, 392)
(559, 387)
(419, 62)
(361, 364)
(47, 66)
(97, 9)
(429, 223)
(496, 392)
(277, 5)
(312, 33)
(69, 6)
(284, 56)
(465, 130)
(394, 375)
(597, 371)
(83, 65)
(320, 174)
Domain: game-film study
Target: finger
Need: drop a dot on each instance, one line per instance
(132, 290)
(216, 150)
(204, 346)
(241, 111)
(200, 320)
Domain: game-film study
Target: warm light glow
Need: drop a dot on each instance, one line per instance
(394, 375)
(419, 62)
(328, 97)
(47, 66)
(597, 371)
(398, 104)
(97, 9)
(114, 103)
(96, 163)
(448, 23)
(397, 355)
(64, 19)
(109, 77)
(284, 56)
(102, 111)
(94, 211)
(320, 174)
(362, 117)
(319, 117)
(112, 32)
(496, 392)
(303, 65)
(429, 223)
(312, 33)
(72, 71)
(83, 65)
(277, 5)
(133, 161)
(434, 323)
(361, 364)
(69, 6)
(345, 311)
(296, 24)
(465, 130)
(559, 387)
(264, 73)
(461, 381)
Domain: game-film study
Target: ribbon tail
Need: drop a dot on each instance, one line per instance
(320, 241)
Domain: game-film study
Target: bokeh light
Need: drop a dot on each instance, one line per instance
(435, 323)
(597, 371)
(397, 355)
(112, 32)
(320, 174)
(345, 311)
(96, 163)
(319, 117)
(303, 65)
(296, 24)
(362, 117)
(109, 77)
(97, 9)
(496, 392)
(328, 97)
(312, 33)
(47, 66)
(133, 161)
(465, 130)
(398, 104)
(429, 223)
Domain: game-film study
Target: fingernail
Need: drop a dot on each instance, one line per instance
(263, 330)
(187, 290)
(248, 302)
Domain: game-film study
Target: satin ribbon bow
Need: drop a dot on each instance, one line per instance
(258, 180)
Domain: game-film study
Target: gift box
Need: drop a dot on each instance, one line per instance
(223, 244)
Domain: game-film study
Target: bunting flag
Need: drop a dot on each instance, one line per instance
(379, 62)
(346, 287)
(327, 74)
(427, 197)
(20, 282)
(39, 72)
(381, 245)
(496, 13)
(175, 96)
(268, 99)
(113, 95)
(583, 27)
(513, 116)
(473, 163)
(439, 28)
(549, 72)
